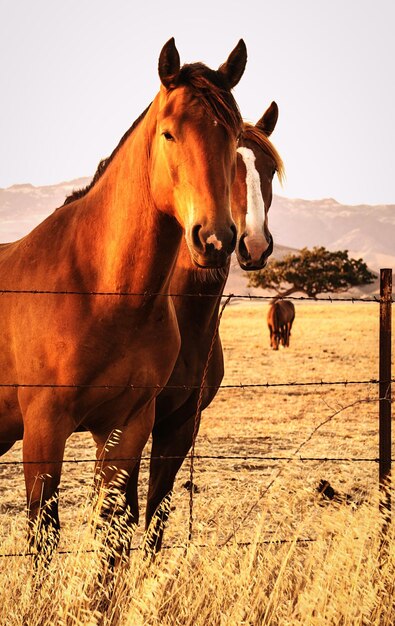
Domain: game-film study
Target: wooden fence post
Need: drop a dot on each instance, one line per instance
(385, 451)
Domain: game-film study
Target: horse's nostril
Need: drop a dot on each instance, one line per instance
(234, 238)
(243, 248)
(270, 246)
(195, 235)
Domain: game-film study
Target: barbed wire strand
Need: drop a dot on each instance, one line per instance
(147, 294)
(231, 457)
(240, 544)
(309, 383)
(216, 457)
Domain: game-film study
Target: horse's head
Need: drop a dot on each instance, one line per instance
(193, 151)
(257, 163)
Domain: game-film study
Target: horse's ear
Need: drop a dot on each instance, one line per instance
(234, 66)
(169, 64)
(268, 121)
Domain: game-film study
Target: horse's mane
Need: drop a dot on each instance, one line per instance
(258, 136)
(104, 163)
(209, 86)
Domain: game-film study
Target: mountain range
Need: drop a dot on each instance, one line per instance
(366, 231)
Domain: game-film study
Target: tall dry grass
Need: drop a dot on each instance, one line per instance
(330, 568)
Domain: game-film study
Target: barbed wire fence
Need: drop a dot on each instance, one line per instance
(384, 381)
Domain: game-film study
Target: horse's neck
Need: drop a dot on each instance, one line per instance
(128, 244)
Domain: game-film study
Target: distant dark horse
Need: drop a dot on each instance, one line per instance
(280, 319)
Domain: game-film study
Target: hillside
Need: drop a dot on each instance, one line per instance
(366, 231)
(22, 207)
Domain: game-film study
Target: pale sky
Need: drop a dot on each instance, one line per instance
(75, 74)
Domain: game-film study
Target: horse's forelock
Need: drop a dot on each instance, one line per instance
(213, 93)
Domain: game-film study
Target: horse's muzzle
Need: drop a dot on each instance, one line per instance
(245, 260)
(211, 248)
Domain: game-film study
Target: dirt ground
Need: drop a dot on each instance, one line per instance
(329, 342)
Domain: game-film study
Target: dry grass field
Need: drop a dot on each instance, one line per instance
(289, 556)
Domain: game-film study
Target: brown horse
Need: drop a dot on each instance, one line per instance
(95, 362)
(280, 318)
(197, 317)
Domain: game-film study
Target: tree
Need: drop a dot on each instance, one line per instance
(312, 272)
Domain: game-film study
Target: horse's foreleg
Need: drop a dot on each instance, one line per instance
(43, 449)
(116, 479)
(132, 500)
(169, 449)
(288, 333)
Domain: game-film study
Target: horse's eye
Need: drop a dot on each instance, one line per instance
(274, 172)
(168, 136)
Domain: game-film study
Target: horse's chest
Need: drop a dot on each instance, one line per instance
(133, 347)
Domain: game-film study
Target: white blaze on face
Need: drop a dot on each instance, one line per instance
(216, 242)
(255, 206)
